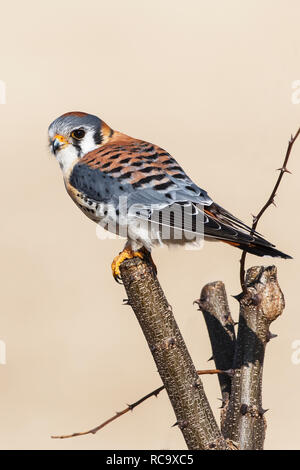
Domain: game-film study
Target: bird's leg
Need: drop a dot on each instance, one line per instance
(127, 253)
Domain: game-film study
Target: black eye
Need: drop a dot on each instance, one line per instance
(78, 134)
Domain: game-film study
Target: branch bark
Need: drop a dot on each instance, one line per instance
(261, 303)
(174, 364)
(220, 325)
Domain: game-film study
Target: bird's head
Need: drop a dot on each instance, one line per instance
(74, 134)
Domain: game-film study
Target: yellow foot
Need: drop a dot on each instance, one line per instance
(127, 253)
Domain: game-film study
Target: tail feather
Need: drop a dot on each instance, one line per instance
(259, 250)
(222, 225)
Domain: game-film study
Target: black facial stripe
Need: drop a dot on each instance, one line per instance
(97, 137)
(78, 148)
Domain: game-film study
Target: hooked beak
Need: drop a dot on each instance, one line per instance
(58, 143)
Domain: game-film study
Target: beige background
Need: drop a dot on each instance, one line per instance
(211, 82)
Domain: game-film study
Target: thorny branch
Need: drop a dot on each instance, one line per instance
(174, 364)
(220, 325)
(131, 407)
(260, 304)
(269, 202)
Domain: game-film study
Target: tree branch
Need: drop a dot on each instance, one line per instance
(260, 304)
(269, 202)
(131, 407)
(220, 325)
(185, 390)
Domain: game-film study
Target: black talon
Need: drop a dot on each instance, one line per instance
(118, 279)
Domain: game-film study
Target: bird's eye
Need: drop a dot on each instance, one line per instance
(78, 134)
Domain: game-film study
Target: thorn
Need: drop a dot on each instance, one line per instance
(223, 405)
(229, 372)
(256, 299)
(210, 359)
(175, 424)
(235, 323)
(254, 218)
(270, 336)
(284, 170)
(273, 202)
(126, 302)
(197, 382)
(238, 297)
(199, 302)
(170, 343)
(182, 424)
(262, 411)
(243, 409)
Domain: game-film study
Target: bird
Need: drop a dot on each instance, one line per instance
(138, 190)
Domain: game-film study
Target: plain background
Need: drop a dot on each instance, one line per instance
(211, 82)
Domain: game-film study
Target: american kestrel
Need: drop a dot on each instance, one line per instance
(102, 168)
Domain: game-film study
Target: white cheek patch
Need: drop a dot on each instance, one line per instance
(87, 144)
(66, 158)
